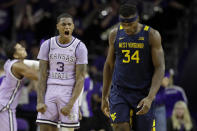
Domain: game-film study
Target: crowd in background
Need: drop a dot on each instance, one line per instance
(30, 22)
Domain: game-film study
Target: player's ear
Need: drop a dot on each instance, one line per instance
(73, 26)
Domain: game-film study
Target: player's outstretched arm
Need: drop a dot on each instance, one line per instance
(159, 68)
(107, 72)
(22, 70)
(80, 76)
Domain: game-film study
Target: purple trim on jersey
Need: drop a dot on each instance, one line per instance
(1, 79)
(13, 95)
(76, 48)
(64, 45)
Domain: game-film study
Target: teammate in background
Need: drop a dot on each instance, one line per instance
(63, 61)
(10, 89)
(135, 67)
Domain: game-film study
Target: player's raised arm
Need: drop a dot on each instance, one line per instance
(108, 71)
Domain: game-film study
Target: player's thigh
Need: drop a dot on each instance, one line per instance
(122, 126)
(119, 108)
(67, 129)
(72, 120)
(46, 127)
(145, 122)
(8, 121)
(51, 115)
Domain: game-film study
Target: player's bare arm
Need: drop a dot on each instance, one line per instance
(43, 74)
(158, 62)
(80, 76)
(108, 71)
(159, 68)
(20, 70)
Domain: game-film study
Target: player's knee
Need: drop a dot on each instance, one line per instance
(67, 129)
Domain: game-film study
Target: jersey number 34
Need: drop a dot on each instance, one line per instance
(128, 56)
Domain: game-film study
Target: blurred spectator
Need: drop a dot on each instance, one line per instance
(110, 14)
(173, 93)
(98, 65)
(25, 27)
(6, 17)
(87, 124)
(34, 51)
(181, 119)
(160, 108)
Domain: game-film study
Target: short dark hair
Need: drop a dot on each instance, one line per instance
(127, 9)
(10, 49)
(64, 15)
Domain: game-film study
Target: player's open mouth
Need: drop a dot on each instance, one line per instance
(66, 32)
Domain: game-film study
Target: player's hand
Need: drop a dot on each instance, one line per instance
(105, 107)
(145, 105)
(66, 109)
(41, 107)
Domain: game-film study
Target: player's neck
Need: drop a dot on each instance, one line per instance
(139, 27)
(63, 40)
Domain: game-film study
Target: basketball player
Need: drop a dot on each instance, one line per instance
(10, 88)
(135, 66)
(63, 61)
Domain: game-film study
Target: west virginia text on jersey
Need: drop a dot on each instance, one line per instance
(133, 64)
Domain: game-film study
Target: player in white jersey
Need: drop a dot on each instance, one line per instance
(10, 88)
(63, 61)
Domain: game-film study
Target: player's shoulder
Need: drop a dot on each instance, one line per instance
(47, 41)
(79, 42)
(81, 46)
(114, 31)
(153, 32)
(113, 34)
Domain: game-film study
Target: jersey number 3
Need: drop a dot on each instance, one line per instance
(134, 56)
(61, 66)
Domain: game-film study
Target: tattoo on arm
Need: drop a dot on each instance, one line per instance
(80, 76)
(43, 75)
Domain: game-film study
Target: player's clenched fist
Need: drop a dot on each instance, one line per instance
(67, 109)
(41, 107)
